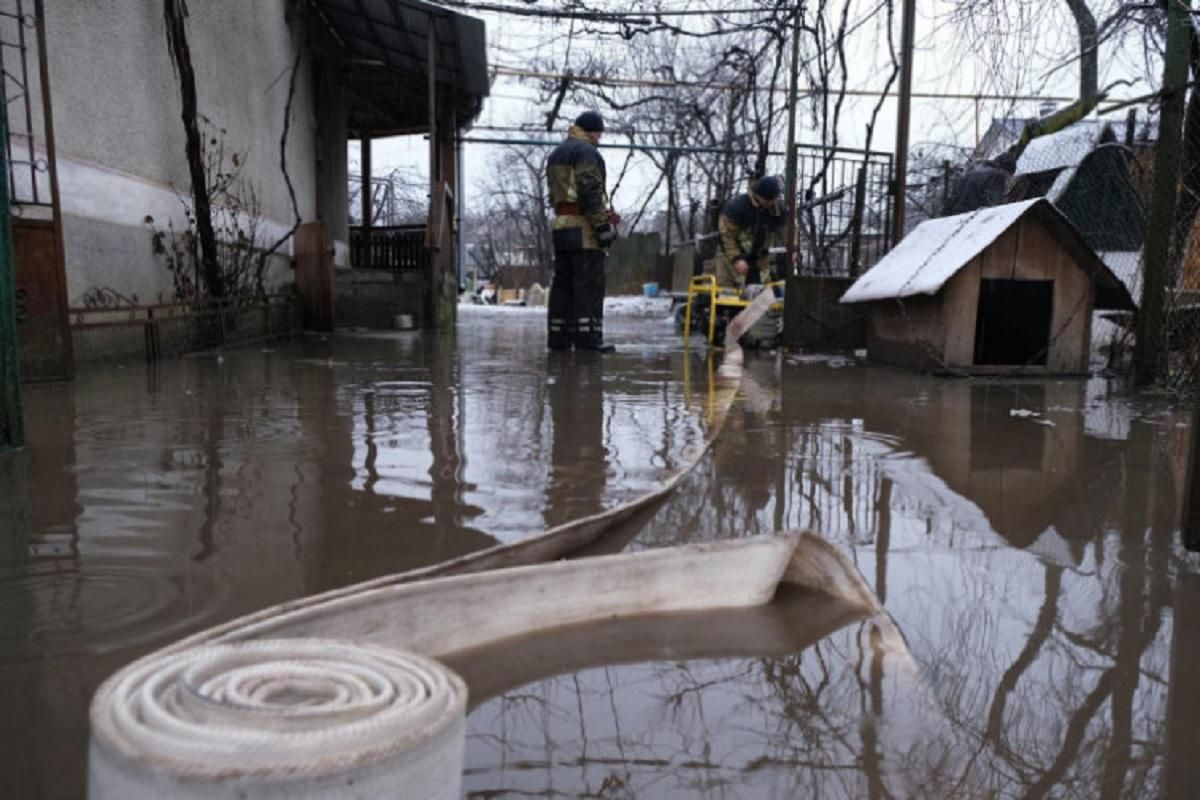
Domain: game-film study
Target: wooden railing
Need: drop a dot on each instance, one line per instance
(395, 247)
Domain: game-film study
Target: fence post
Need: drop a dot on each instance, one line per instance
(903, 114)
(856, 220)
(12, 431)
(1150, 352)
(1191, 487)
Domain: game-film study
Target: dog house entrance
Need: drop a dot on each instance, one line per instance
(1012, 325)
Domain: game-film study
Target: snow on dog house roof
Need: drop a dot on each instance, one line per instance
(937, 249)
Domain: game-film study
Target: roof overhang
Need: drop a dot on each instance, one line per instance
(389, 45)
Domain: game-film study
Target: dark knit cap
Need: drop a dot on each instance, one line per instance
(591, 122)
(768, 187)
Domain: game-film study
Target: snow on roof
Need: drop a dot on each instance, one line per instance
(1127, 266)
(1066, 148)
(1055, 192)
(937, 249)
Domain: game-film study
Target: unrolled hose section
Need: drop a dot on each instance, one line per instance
(271, 707)
(338, 695)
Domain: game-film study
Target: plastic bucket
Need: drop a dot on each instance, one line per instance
(650, 289)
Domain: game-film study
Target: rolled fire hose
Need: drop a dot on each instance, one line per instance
(342, 695)
(347, 698)
(285, 718)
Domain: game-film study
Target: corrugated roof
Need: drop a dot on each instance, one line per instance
(389, 43)
(937, 249)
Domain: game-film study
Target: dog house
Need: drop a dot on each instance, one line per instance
(1009, 288)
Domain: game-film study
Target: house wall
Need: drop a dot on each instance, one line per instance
(120, 138)
(1028, 251)
(908, 333)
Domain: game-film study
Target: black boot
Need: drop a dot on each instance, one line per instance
(589, 335)
(558, 336)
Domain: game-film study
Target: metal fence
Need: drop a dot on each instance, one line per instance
(396, 247)
(151, 332)
(844, 209)
(23, 103)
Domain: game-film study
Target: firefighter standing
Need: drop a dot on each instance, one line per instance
(748, 225)
(583, 229)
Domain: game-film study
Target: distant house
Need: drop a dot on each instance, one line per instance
(1006, 288)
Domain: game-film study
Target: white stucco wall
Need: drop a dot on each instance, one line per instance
(120, 138)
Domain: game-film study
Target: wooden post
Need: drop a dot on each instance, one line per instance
(670, 168)
(1191, 498)
(856, 221)
(1150, 351)
(947, 172)
(368, 199)
(903, 116)
(11, 424)
(1182, 778)
(314, 276)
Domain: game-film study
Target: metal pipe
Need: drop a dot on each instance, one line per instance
(367, 196)
(907, 26)
(789, 188)
(460, 203)
(662, 148)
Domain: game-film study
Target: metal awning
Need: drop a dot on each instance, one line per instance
(388, 45)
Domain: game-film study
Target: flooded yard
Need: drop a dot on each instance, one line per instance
(1023, 536)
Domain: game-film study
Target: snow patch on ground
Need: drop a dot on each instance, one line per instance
(637, 306)
(632, 306)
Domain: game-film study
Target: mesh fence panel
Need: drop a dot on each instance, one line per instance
(1098, 173)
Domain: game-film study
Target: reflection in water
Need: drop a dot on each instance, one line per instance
(578, 457)
(151, 503)
(1022, 535)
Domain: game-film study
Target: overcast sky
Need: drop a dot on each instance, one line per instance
(944, 63)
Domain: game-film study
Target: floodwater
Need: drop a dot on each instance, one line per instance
(1023, 536)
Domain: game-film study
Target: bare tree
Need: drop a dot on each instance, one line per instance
(175, 16)
(512, 216)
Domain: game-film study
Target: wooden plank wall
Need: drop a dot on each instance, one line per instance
(908, 333)
(1028, 251)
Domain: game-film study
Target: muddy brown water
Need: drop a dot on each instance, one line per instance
(1022, 535)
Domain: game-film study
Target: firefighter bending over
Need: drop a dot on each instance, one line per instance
(748, 226)
(583, 229)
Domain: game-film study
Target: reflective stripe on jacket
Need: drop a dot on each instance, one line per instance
(575, 176)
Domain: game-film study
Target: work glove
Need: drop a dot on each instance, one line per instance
(606, 234)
